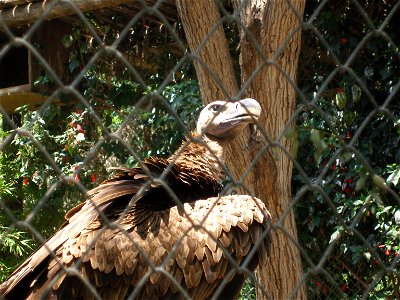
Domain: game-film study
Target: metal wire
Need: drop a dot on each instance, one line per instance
(330, 261)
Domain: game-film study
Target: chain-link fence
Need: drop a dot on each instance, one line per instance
(90, 85)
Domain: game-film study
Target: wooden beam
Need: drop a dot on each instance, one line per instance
(15, 89)
(28, 14)
(11, 102)
(12, 3)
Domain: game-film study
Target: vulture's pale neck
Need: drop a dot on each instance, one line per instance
(202, 154)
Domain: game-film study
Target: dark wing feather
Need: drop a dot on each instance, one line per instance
(117, 258)
(77, 222)
(109, 198)
(200, 275)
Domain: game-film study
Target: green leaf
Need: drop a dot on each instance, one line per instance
(70, 149)
(84, 48)
(341, 100)
(356, 93)
(73, 64)
(394, 177)
(349, 116)
(318, 142)
(67, 41)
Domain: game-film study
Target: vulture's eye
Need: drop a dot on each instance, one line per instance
(216, 107)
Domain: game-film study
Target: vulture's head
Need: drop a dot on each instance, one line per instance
(219, 122)
(223, 120)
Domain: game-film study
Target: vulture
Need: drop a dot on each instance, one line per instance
(159, 231)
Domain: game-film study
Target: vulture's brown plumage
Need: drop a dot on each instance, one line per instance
(131, 239)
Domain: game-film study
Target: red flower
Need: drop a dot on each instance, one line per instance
(325, 290)
(26, 181)
(343, 287)
(387, 252)
(71, 124)
(347, 189)
(339, 90)
(318, 283)
(349, 135)
(79, 128)
(78, 111)
(76, 176)
(381, 246)
(93, 177)
(349, 180)
(343, 40)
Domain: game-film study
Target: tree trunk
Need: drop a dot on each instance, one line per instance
(275, 28)
(209, 47)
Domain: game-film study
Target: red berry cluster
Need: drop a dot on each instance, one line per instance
(25, 181)
(347, 188)
(73, 123)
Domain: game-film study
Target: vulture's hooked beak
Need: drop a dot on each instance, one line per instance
(244, 111)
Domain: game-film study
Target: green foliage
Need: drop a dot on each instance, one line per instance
(248, 291)
(151, 119)
(69, 134)
(15, 245)
(353, 161)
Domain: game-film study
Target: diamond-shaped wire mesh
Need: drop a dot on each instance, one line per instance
(103, 84)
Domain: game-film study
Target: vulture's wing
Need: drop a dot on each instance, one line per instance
(78, 219)
(198, 245)
(108, 199)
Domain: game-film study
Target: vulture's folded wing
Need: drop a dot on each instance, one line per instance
(78, 219)
(195, 246)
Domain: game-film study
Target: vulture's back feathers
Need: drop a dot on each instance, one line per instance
(198, 258)
(132, 238)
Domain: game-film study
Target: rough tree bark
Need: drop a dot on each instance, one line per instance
(273, 27)
(212, 60)
(269, 24)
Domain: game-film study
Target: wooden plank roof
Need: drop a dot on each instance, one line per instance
(21, 13)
